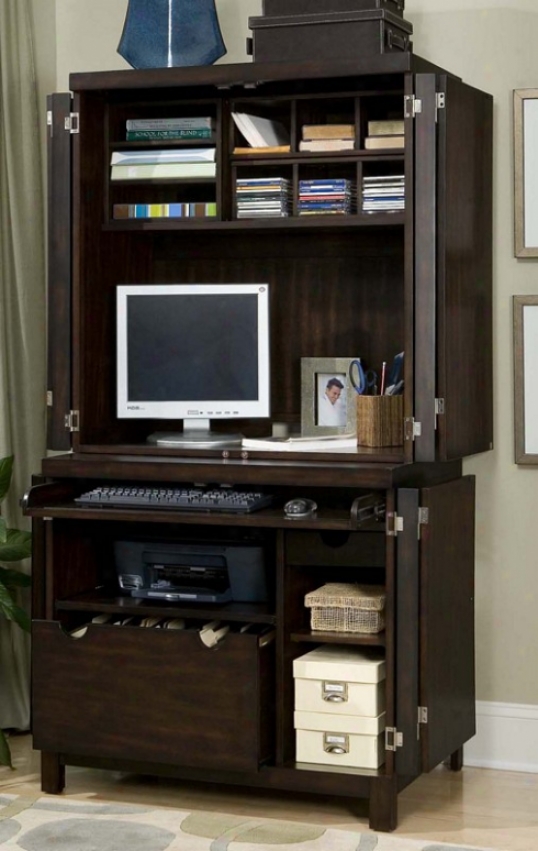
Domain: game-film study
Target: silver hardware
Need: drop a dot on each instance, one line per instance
(412, 106)
(49, 399)
(337, 744)
(412, 428)
(71, 122)
(440, 101)
(72, 421)
(422, 714)
(334, 692)
(423, 519)
(393, 739)
(439, 409)
(394, 524)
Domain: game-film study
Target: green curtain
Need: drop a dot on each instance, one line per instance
(22, 310)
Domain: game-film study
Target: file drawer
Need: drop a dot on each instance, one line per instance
(154, 695)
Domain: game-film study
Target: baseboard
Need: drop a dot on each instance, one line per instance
(506, 737)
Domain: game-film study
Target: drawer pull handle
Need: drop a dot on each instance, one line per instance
(336, 743)
(335, 698)
(334, 692)
(335, 749)
(397, 41)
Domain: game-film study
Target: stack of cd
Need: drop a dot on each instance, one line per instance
(383, 193)
(325, 197)
(259, 197)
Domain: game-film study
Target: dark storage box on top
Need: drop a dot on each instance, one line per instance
(304, 7)
(328, 35)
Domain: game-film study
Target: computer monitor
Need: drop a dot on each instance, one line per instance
(193, 352)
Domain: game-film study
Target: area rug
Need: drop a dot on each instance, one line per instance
(40, 824)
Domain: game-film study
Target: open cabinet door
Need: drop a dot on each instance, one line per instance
(447, 680)
(464, 273)
(59, 271)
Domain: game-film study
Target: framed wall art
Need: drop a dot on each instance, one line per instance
(526, 378)
(526, 172)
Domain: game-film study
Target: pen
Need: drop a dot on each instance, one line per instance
(383, 376)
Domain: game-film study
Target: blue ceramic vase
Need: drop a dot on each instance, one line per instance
(171, 33)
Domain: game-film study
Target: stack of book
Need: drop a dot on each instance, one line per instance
(384, 192)
(165, 211)
(326, 196)
(195, 128)
(163, 163)
(385, 134)
(259, 197)
(327, 137)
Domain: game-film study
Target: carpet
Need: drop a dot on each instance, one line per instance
(54, 823)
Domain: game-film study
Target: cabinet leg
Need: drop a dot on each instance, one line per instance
(383, 804)
(52, 773)
(455, 760)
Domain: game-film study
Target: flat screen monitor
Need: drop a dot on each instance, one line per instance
(193, 352)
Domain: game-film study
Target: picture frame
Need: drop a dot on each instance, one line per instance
(322, 414)
(526, 378)
(526, 172)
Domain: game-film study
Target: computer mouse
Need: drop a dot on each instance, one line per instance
(300, 507)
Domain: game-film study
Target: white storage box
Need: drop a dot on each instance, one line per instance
(340, 680)
(323, 721)
(340, 662)
(347, 749)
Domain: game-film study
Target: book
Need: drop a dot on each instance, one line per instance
(170, 135)
(324, 443)
(165, 211)
(147, 171)
(387, 127)
(168, 155)
(271, 149)
(261, 132)
(185, 123)
(376, 142)
(327, 145)
(328, 131)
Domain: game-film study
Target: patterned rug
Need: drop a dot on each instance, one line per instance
(52, 823)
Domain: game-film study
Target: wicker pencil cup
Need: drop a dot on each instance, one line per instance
(380, 420)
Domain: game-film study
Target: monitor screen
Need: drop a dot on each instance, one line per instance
(193, 351)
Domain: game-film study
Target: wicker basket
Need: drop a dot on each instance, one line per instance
(346, 607)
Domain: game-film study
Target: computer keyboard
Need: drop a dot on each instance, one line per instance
(178, 499)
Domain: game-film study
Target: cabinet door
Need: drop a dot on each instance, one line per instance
(447, 682)
(59, 270)
(406, 633)
(453, 269)
(464, 270)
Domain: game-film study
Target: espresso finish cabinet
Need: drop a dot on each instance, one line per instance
(369, 285)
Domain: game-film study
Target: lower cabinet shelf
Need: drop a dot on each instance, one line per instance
(154, 695)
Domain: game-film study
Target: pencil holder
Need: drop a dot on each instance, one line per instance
(379, 420)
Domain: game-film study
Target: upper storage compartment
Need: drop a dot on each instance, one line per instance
(376, 238)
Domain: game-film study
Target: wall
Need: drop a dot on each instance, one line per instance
(491, 45)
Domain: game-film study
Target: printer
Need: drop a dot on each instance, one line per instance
(196, 573)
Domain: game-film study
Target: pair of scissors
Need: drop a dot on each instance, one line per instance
(394, 381)
(363, 381)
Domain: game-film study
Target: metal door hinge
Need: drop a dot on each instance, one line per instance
(440, 101)
(393, 739)
(49, 399)
(423, 519)
(412, 106)
(72, 421)
(422, 714)
(71, 122)
(439, 409)
(394, 524)
(412, 428)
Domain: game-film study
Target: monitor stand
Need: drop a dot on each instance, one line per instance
(196, 434)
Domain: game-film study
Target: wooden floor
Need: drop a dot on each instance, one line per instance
(493, 809)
